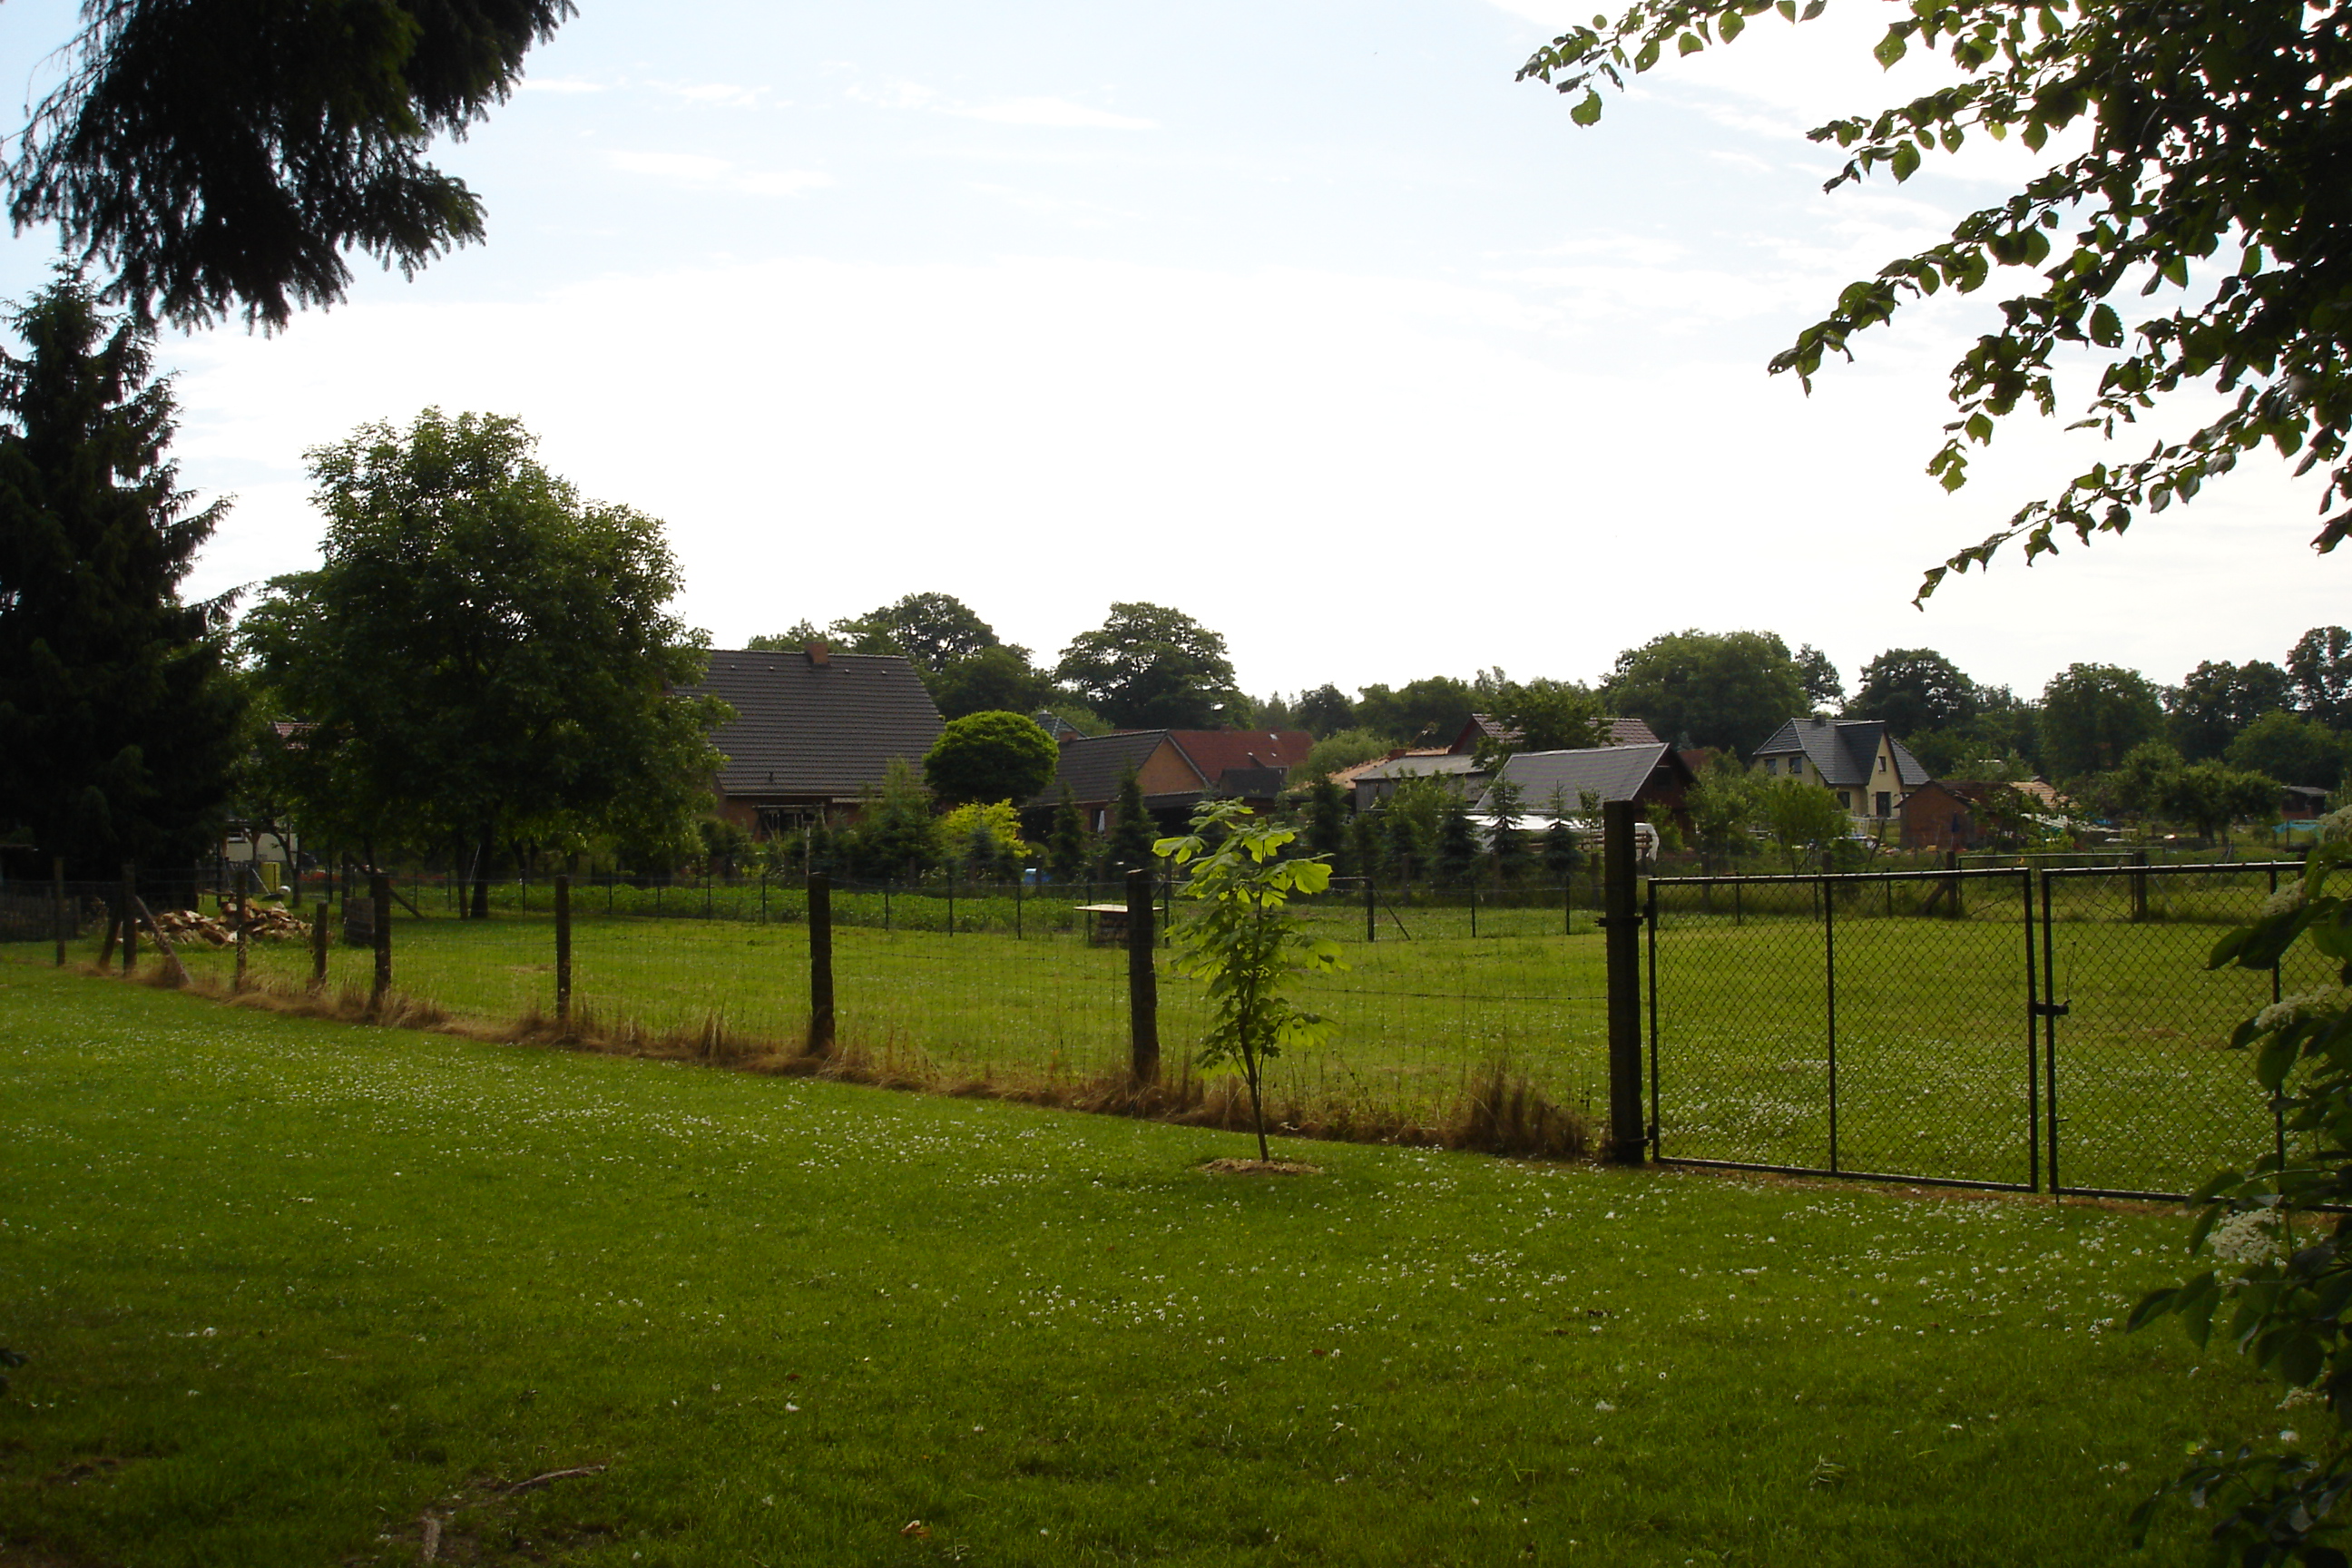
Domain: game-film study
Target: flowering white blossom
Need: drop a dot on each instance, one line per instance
(2248, 1236)
(2287, 899)
(2326, 1002)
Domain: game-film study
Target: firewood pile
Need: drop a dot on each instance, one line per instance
(263, 922)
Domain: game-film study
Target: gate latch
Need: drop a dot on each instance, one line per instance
(2051, 1009)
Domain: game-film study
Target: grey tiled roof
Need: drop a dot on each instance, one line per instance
(1092, 767)
(1611, 773)
(1844, 751)
(805, 728)
(1420, 764)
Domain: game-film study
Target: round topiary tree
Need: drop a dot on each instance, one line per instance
(985, 757)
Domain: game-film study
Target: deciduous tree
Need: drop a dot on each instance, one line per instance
(2321, 663)
(2093, 713)
(483, 655)
(1147, 665)
(1914, 691)
(2209, 179)
(933, 631)
(2293, 748)
(1724, 689)
(985, 757)
(2205, 712)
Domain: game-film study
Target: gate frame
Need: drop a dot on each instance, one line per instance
(1827, 882)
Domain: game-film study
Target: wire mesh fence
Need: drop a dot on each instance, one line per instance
(2043, 1027)
(941, 981)
(2033, 1028)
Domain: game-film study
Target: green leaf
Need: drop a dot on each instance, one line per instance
(1689, 44)
(1588, 108)
(2106, 327)
(1891, 48)
(1731, 26)
(1906, 161)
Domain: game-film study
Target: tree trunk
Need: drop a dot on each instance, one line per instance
(482, 853)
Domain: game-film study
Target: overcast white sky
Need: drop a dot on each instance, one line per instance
(1301, 316)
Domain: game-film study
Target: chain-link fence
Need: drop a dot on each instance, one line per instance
(2050, 1027)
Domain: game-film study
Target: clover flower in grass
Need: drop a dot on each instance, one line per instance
(2250, 1235)
(2326, 1002)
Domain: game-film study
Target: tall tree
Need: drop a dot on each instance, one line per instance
(1724, 689)
(2214, 701)
(2209, 174)
(791, 640)
(2321, 663)
(1541, 715)
(2092, 714)
(994, 680)
(1147, 665)
(1824, 687)
(1065, 843)
(483, 655)
(1327, 820)
(1428, 711)
(933, 630)
(224, 157)
(1132, 830)
(1325, 711)
(1913, 690)
(120, 725)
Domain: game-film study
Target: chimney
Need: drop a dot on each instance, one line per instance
(819, 655)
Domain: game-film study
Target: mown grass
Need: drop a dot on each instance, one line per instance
(291, 1289)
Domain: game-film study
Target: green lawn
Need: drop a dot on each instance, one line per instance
(291, 1287)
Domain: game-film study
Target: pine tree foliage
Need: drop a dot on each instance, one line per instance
(120, 721)
(223, 156)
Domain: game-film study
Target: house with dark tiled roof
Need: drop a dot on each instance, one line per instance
(1655, 776)
(1176, 770)
(1484, 727)
(1858, 759)
(812, 731)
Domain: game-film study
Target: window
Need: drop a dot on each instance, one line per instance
(1772, 765)
(1882, 762)
(1845, 799)
(1885, 803)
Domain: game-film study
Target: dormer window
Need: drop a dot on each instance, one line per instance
(1882, 762)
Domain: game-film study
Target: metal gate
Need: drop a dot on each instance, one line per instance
(2004, 1028)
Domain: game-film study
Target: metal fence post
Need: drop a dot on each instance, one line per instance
(562, 951)
(380, 895)
(1371, 910)
(1829, 1000)
(58, 905)
(321, 914)
(1622, 921)
(820, 941)
(1142, 981)
(2139, 885)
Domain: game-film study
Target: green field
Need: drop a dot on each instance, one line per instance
(292, 1288)
(1931, 1060)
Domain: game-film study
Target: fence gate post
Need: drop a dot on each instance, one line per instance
(380, 896)
(1622, 921)
(564, 949)
(820, 940)
(58, 905)
(1142, 981)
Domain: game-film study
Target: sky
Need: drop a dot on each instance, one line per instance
(1302, 317)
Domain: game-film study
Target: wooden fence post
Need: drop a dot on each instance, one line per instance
(322, 914)
(380, 896)
(2139, 885)
(1142, 981)
(244, 920)
(130, 921)
(820, 941)
(564, 949)
(1371, 909)
(58, 905)
(1622, 922)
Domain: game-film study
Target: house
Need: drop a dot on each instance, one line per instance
(1346, 777)
(1484, 728)
(1944, 814)
(1459, 770)
(1176, 769)
(1858, 759)
(812, 731)
(1655, 776)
